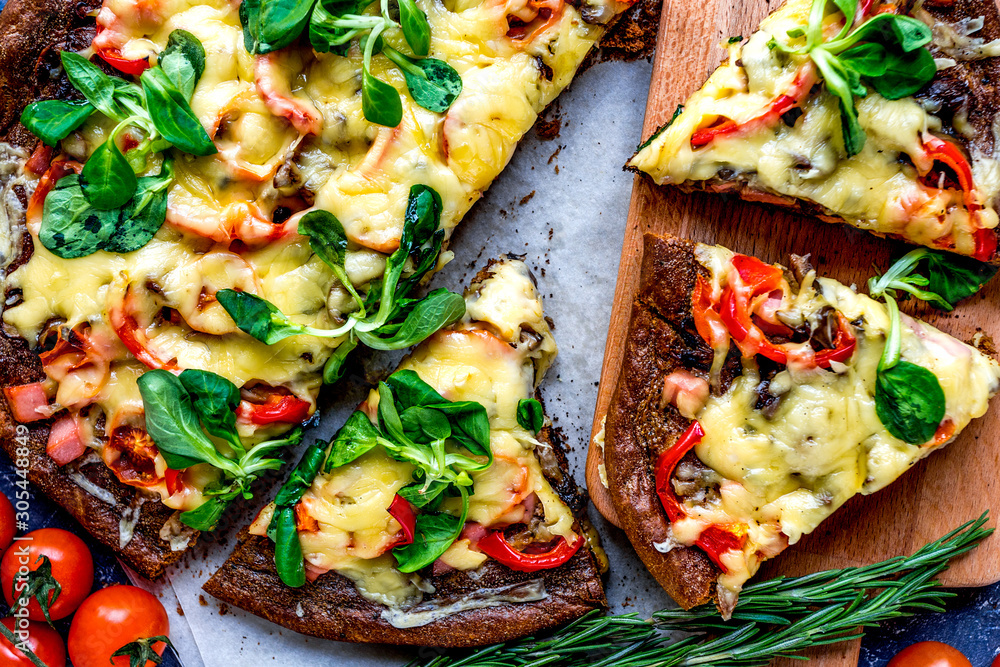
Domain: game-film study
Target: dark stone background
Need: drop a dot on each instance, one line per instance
(45, 514)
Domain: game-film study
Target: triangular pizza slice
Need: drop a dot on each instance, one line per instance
(755, 401)
(442, 512)
(854, 112)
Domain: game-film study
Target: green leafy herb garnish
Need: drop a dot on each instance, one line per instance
(386, 319)
(106, 206)
(909, 400)
(417, 425)
(433, 83)
(332, 25)
(939, 278)
(886, 52)
(54, 120)
(177, 409)
(282, 529)
(530, 415)
(73, 227)
(772, 619)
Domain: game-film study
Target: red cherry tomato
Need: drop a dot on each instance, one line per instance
(996, 661)
(112, 618)
(929, 654)
(42, 640)
(72, 567)
(7, 524)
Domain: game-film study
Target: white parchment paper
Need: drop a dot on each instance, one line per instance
(563, 203)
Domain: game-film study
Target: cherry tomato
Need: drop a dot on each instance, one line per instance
(7, 524)
(111, 618)
(43, 641)
(996, 661)
(72, 567)
(929, 654)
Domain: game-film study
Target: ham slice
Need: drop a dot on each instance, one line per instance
(66, 442)
(28, 402)
(686, 391)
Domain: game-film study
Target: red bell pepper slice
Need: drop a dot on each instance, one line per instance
(757, 275)
(496, 546)
(758, 278)
(124, 323)
(843, 344)
(782, 105)
(748, 335)
(951, 156)
(718, 539)
(986, 244)
(714, 540)
(706, 320)
(279, 407)
(175, 483)
(734, 311)
(666, 465)
(402, 511)
(770, 117)
(40, 159)
(113, 57)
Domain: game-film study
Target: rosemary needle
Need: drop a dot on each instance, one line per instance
(780, 617)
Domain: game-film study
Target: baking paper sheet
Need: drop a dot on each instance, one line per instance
(562, 202)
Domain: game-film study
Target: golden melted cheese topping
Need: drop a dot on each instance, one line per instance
(290, 133)
(876, 190)
(359, 171)
(469, 362)
(783, 474)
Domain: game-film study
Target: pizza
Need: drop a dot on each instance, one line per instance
(371, 540)
(754, 401)
(881, 119)
(315, 158)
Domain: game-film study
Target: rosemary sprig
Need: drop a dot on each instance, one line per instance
(780, 617)
(781, 600)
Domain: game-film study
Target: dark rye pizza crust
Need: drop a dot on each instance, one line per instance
(661, 339)
(32, 32)
(332, 608)
(972, 85)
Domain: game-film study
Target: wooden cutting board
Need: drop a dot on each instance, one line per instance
(945, 490)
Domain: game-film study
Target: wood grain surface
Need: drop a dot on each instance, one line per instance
(945, 490)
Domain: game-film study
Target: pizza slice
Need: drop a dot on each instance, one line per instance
(315, 155)
(442, 513)
(754, 401)
(881, 119)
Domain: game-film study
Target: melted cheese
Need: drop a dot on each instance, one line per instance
(429, 612)
(291, 133)
(361, 172)
(87, 290)
(465, 363)
(876, 190)
(783, 475)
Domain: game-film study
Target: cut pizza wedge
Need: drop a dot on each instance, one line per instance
(754, 401)
(884, 121)
(175, 152)
(442, 513)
